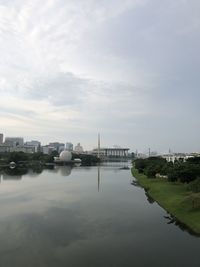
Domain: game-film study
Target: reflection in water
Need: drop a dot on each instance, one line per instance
(53, 221)
(125, 167)
(37, 169)
(170, 218)
(173, 220)
(135, 183)
(65, 170)
(13, 174)
(11, 177)
(17, 172)
(149, 198)
(98, 169)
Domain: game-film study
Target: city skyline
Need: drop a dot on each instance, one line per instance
(129, 70)
(67, 145)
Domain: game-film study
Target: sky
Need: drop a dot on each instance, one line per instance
(129, 70)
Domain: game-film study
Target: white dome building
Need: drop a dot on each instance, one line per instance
(65, 156)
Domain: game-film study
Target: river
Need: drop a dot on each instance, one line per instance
(87, 217)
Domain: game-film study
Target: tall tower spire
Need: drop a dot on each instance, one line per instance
(98, 145)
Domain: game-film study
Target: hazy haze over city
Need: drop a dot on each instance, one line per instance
(127, 69)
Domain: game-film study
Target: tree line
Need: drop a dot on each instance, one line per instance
(39, 157)
(183, 171)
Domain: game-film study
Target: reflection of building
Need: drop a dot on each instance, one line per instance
(6, 176)
(65, 170)
(69, 146)
(98, 177)
(78, 148)
(14, 141)
(112, 152)
(1, 138)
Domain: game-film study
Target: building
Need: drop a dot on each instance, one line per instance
(1, 138)
(47, 150)
(25, 149)
(172, 157)
(59, 147)
(78, 148)
(14, 141)
(141, 155)
(34, 144)
(115, 152)
(64, 157)
(69, 146)
(4, 148)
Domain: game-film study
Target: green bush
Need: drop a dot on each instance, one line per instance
(194, 186)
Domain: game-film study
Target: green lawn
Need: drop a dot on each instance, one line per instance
(175, 198)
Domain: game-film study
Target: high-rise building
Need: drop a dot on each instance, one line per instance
(1, 138)
(61, 147)
(14, 141)
(69, 146)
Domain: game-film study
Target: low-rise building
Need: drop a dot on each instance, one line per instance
(4, 148)
(25, 149)
(78, 148)
(59, 147)
(172, 157)
(47, 150)
(116, 152)
(34, 144)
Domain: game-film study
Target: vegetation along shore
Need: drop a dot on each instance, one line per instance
(174, 186)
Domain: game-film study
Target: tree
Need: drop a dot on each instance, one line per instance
(195, 185)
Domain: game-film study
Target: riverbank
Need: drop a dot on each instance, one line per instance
(173, 197)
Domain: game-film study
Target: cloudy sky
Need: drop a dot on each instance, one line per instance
(128, 69)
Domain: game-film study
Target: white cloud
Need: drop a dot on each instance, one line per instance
(79, 66)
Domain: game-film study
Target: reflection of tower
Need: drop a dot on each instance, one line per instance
(98, 178)
(98, 170)
(98, 145)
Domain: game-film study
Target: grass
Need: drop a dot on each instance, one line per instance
(175, 198)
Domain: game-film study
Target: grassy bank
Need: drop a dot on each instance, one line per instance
(175, 198)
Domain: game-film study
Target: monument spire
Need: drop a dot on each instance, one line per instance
(98, 145)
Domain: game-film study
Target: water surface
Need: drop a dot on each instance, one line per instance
(87, 217)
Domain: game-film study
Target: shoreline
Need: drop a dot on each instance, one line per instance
(174, 198)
